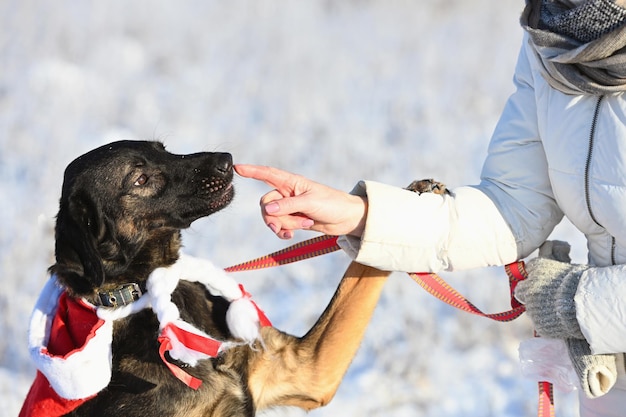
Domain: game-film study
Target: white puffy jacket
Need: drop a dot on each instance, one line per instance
(551, 155)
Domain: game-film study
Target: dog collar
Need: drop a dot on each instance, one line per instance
(120, 296)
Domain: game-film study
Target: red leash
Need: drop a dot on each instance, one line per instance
(436, 286)
(311, 248)
(431, 282)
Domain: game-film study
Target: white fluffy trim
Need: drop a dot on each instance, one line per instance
(81, 373)
(242, 316)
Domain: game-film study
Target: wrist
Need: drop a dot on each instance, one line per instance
(359, 215)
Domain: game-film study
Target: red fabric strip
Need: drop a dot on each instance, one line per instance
(203, 344)
(187, 379)
(263, 320)
(199, 343)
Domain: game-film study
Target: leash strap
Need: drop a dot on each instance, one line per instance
(311, 248)
(546, 400)
(436, 286)
(545, 406)
(431, 282)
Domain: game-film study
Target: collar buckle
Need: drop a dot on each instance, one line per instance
(120, 296)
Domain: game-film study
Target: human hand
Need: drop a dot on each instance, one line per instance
(548, 294)
(549, 290)
(299, 203)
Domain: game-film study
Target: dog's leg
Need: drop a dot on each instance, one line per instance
(306, 372)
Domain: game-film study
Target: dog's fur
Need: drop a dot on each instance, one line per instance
(122, 208)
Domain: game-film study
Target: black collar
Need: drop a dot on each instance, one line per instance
(120, 296)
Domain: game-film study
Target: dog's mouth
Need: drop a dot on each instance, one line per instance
(211, 196)
(221, 197)
(215, 185)
(217, 189)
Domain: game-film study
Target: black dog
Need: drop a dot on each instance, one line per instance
(121, 211)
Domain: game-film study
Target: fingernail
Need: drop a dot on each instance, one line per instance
(273, 227)
(271, 208)
(287, 235)
(306, 223)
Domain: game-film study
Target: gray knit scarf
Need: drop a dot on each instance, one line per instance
(580, 48)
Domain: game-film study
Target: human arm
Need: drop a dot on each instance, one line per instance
(407, 229)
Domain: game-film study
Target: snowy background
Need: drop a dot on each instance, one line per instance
(390, 90)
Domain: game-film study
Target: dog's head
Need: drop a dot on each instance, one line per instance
(122, 208)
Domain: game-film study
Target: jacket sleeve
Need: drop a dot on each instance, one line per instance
(406, 231)
(515, 174)
(600, 308)
(507, 216)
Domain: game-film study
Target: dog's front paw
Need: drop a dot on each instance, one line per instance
(428, 186)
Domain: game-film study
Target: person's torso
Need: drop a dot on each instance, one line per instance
(584, 138)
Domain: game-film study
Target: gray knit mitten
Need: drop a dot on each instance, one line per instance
(548, 294)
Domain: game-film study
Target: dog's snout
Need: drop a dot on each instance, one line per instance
(224, 164)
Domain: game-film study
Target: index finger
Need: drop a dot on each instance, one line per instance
(273, 177)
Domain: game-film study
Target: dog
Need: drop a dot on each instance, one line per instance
(121, 212)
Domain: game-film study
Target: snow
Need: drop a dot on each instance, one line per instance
(390, 90)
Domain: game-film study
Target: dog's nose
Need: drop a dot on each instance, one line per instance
(224, 164)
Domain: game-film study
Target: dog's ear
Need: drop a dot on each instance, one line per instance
(78, 262)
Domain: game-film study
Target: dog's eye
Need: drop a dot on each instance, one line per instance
(143, 178)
